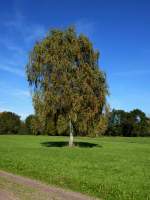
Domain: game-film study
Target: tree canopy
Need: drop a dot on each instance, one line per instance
(67, 83)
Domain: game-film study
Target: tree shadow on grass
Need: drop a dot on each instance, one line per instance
(65, 144)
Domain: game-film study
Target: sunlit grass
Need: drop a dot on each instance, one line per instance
(114, 169)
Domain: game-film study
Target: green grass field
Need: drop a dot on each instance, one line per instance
(114, 169)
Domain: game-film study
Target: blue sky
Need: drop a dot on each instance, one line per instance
(119, 29)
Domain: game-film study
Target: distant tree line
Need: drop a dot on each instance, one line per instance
(114, 123)
(129, 124)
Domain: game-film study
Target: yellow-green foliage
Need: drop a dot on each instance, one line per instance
(66, 80)
(62, 125)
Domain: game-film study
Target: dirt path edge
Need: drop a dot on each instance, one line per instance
(51, 190)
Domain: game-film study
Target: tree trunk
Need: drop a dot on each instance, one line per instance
(71, 134)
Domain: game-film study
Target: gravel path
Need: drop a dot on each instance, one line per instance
(41, 191)
(5, 195)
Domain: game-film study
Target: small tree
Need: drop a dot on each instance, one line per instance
(10, 123)
(64, 74)
(148, 131)
(139, 123)
(116, 122)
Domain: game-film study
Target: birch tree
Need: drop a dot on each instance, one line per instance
(66, 80)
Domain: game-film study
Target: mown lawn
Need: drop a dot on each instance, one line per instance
(115, 169)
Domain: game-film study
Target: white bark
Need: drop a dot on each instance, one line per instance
(71, 134)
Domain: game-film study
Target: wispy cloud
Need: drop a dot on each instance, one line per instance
(29, 32)
(21, 93)
(18, 47)
(16, 40)
(13, 91)
(15, 21)
(12, 70)
(17, 95)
